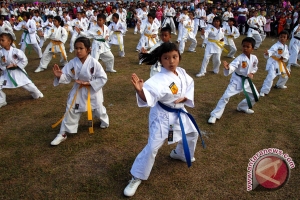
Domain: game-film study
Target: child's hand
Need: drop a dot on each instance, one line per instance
(137, 83)
(10, 66)
(250, 76)
(57, 71)
(154, 36)
(82, 82)
(143, 50)
(226, 65)
(180, 100)
(77, 29)
(106, 38)
(266, 53)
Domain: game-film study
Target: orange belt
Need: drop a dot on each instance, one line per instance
(58, 43)
(150, 38)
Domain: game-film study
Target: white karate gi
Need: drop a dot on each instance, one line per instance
(90, 71)
(231, 33)
(181, 19)
(45, 27)
(141, 15)
(200, 16)
(15, 56)
(100, 49)
(147, 30)
(294, 46)
(169, 13)
(81, 24)
(254, 30)
(157, 89)
(273, 67)
(116, 38)
(212, 49)
(209, 20)
(122, 18)
(68, 24)
(235, 86)
(56, 35)
(30, 36)
(262, 30)
(188, 34)
(226, 15)
(155, 68)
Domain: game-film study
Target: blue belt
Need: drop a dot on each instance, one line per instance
(184, 141)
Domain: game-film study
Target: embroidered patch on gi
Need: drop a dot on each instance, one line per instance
(244, 64)
(3, 59)
(15, 56)
(212, 29)
(92, 70)
(76, 106)
(173, 87)
(52, 30)
(73, 71)
(149, 28)
(98, 32)
(4, 82)
(280, 51)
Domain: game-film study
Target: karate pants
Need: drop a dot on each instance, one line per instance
(71, 119)
(35, 46)
(268, 82)
(183, 41)
(72, 42)
(256, 36)
(232, 51)
(216, 59)
(229, 92)
(48, 56)
(30, 87)
(154, 69)
(294, 50)
(121, 53)
(170, 21)
(143, 163)
(107, 57)
(179, 32)
(42, 40)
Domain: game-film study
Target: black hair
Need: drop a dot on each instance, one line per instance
(50, 17)
(284, 32)
(61, 22)
(86, 42)
(167, 28)
(36, 11)
(151, 14)
(218, 19)
(184, 8)
(101, 16)
(191, 12)
(116, 15)
(10, 37)
(165, 48)
(2, 18)
(250, 40)
(231, 19)
(114, 8)
(25, 14)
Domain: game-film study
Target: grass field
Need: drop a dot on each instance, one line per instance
(97, 166)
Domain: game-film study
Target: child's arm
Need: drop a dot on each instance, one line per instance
(138, 85)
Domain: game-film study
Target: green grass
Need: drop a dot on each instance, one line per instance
(98, 166)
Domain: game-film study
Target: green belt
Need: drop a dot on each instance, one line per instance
(252, 89)
(26, 33)
(11, 78)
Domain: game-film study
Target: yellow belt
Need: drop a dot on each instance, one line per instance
(219, 43)
(58, 43)
(150, 38)
(89, 109)
(281, 66)
(119, 39)
(189, 29)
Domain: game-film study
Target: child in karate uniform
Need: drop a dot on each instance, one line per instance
(100, 46)
(182, 17)
(294, 46)
(58, 37)
(12, 72)
(149, 31)
(148, 56)
(29, 33)
(242, 69)
(254, 29)
(172, 88)
(277, 55)
(188, 34)
(117, 30)
(231, 32)
(214, 47)
(86, 94)
(79, 24)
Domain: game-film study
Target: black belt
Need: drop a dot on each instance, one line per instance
(298, 38)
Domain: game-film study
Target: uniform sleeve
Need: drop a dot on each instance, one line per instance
(64, 35)
(232, 66)
(189, 92)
